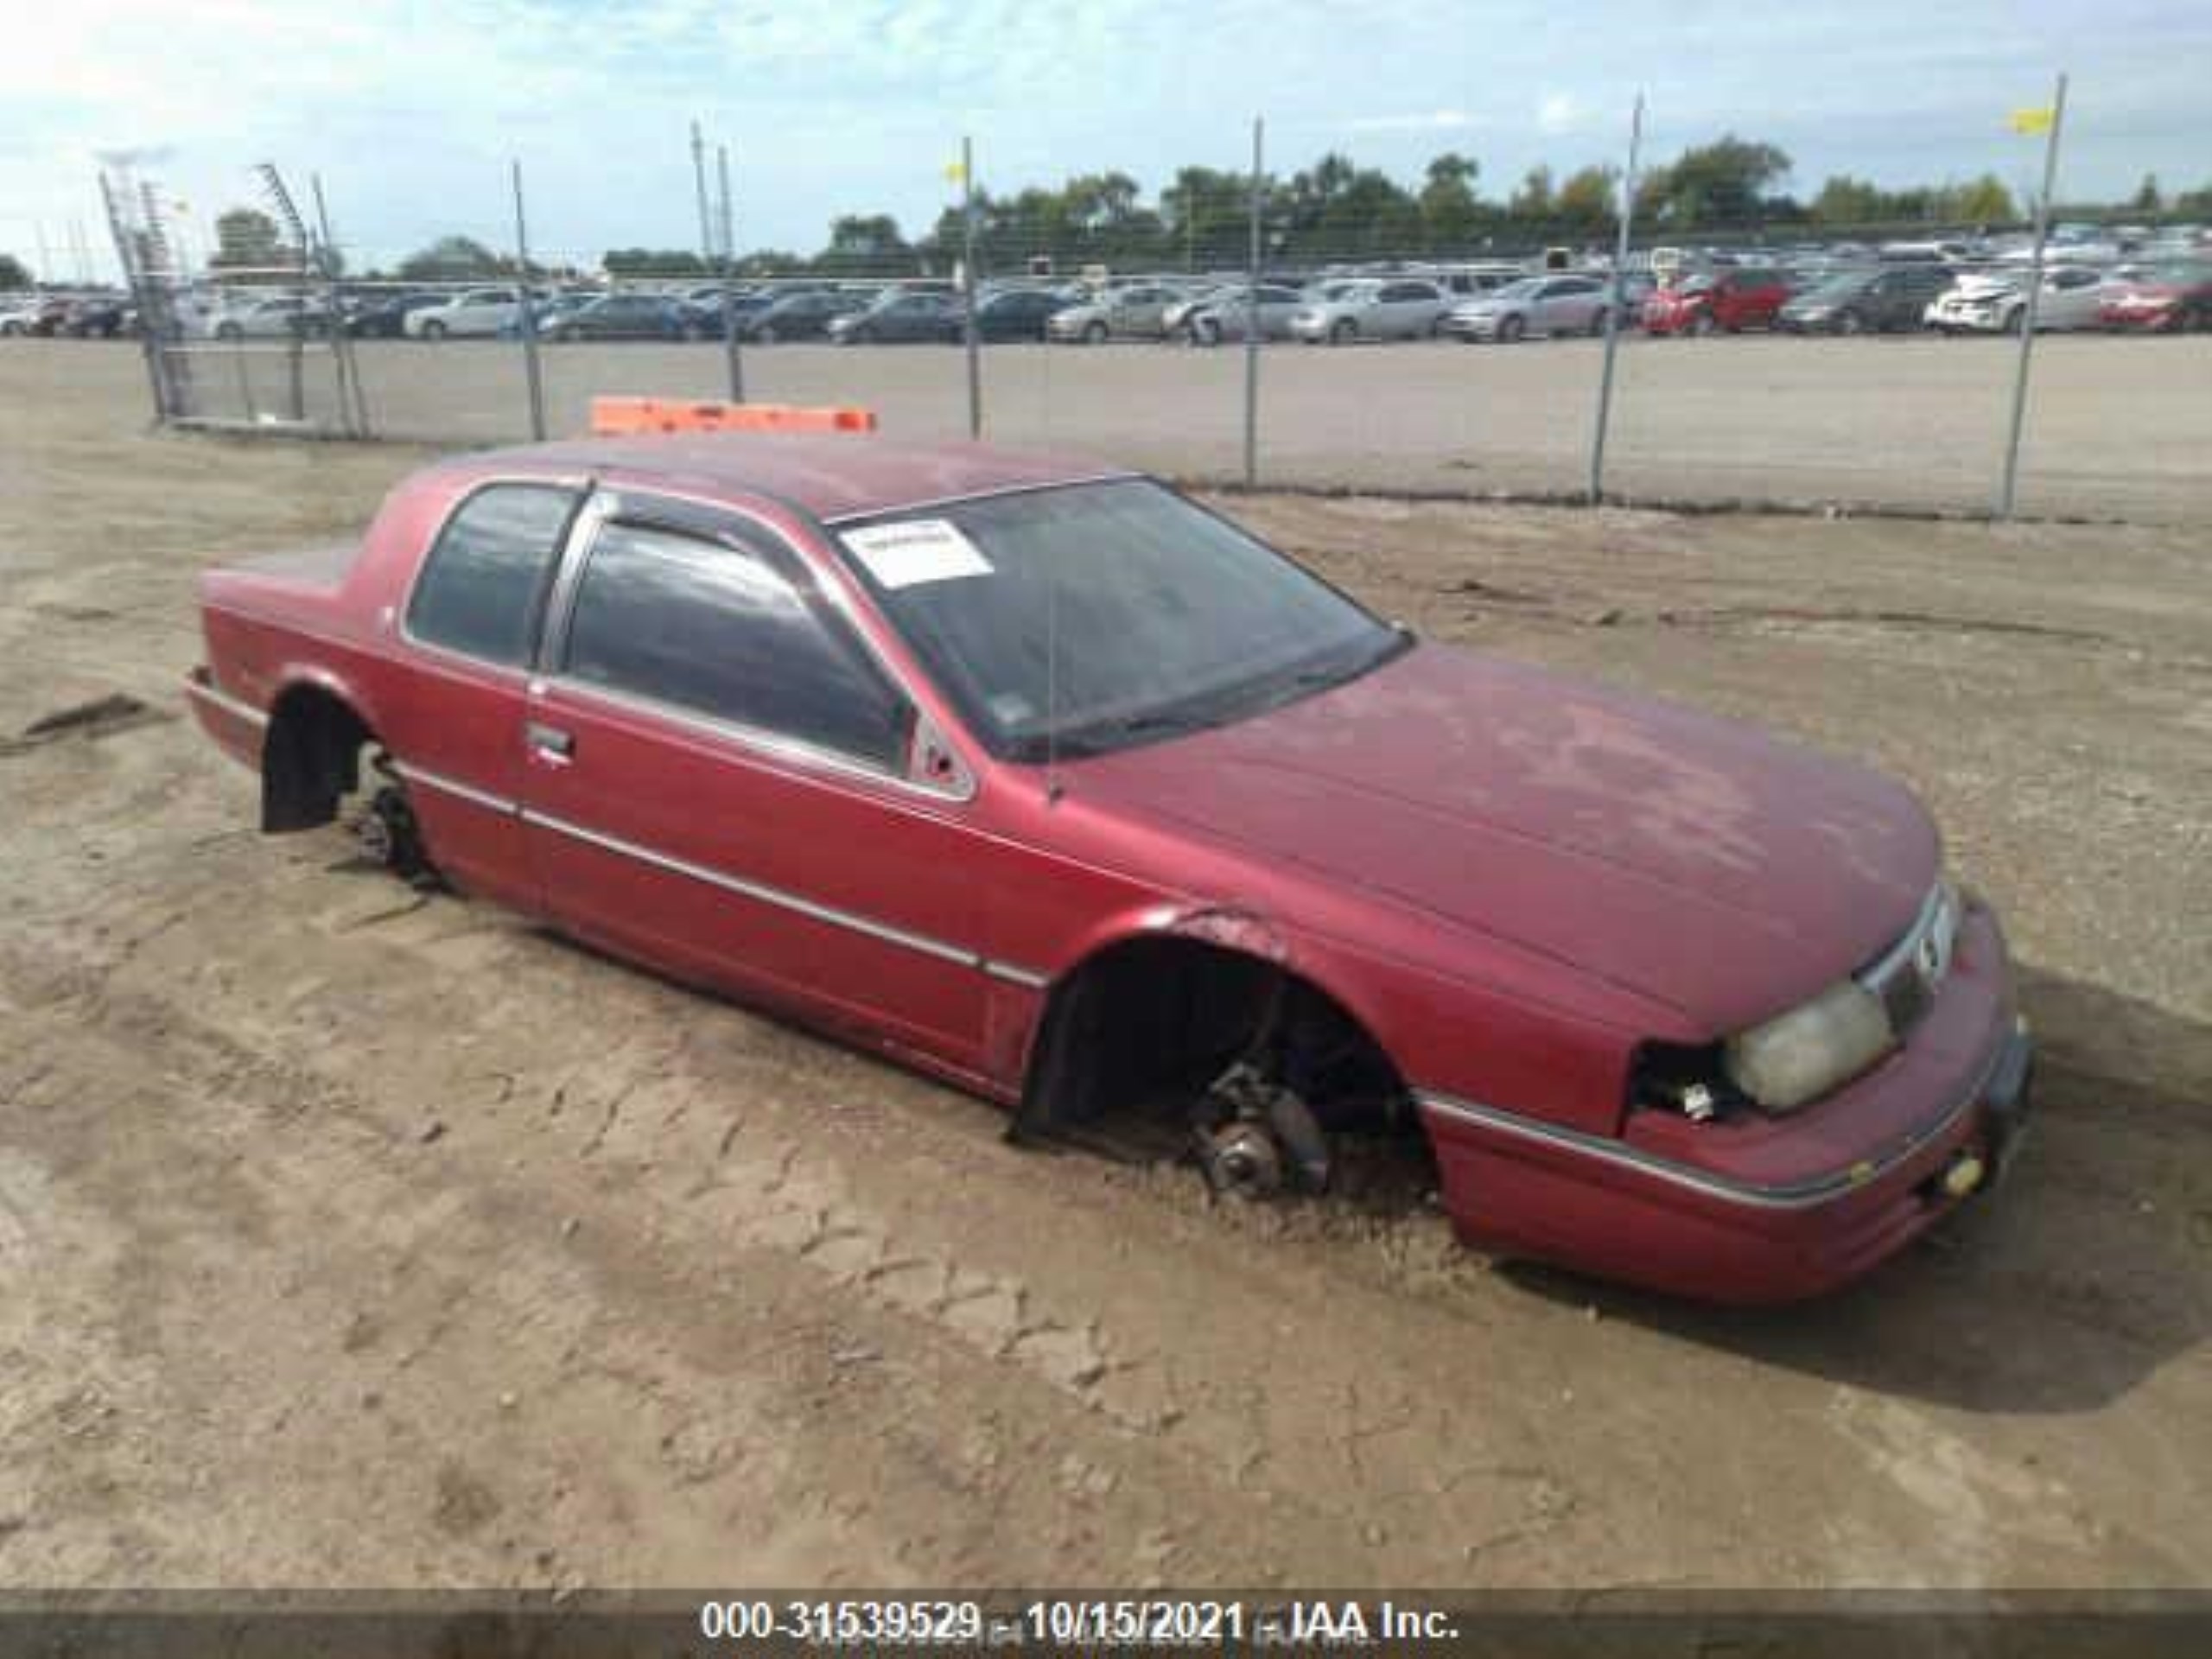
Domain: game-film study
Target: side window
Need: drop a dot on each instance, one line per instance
(713, 628)
(479, 590)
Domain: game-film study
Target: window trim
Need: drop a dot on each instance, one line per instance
(695, 516)
(578, 488)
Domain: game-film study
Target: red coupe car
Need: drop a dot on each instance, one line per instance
(1042, 778)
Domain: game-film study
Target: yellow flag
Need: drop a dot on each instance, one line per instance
(2034, 120)
(955, 173)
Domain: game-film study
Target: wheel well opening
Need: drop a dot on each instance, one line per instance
(310, 759)
(1141, 1033)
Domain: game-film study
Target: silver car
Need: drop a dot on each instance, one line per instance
(1535, 305)
(1379, 308)
(1138, 309)
(1221, 315)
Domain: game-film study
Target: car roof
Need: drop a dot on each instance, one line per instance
(831, 475)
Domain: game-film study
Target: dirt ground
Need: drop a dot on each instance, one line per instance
(354, 1237)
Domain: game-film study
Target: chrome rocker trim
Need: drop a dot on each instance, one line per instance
(922, 943)
(224, 701)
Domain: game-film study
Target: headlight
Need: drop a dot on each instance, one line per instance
(1800, 1056)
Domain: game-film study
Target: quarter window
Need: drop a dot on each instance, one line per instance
(719, 630)
(479, 590)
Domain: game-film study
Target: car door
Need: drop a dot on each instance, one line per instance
(451, 712)
(1548, 308)
(716, 781)
(2068, 300)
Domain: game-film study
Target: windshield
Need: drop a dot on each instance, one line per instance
(1524, 289)
(1162, 617)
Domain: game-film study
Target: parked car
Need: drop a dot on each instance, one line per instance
(1996, 302)
(473, 313)
(384, 316)
(1637, 288)
(1727, 301)
(1870, 299)
(803, 316)
(45, 317)
(631, 316)
(16, 315)
(1175, 319)
(898, 315)
(280, 317)
(1407, 308)
(1134, 310)
(100, 317)
(777, 714)
(2168, 298)
(1012, 313)
(1223, 316)
(1570, 304)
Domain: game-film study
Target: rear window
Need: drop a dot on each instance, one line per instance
(480, 589)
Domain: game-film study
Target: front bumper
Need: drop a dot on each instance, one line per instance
(1777, 1210)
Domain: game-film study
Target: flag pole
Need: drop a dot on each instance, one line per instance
(2006, 491)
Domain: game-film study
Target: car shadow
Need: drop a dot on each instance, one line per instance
(2086, 1270)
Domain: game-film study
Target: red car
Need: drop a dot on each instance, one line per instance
(2166, 298)
(1041, 777)
(1723, 301)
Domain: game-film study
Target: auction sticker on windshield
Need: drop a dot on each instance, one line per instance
(908, 554)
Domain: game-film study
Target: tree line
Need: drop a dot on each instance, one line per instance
(1333, 210)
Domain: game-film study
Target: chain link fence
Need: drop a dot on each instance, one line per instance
(1352, 355)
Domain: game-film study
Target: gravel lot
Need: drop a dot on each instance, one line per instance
(2119, 428)
(354, 1237)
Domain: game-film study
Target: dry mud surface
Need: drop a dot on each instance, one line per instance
(351, 1236)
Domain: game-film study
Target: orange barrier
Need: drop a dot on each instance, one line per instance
(622, 417)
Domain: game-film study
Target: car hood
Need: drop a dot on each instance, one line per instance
(1699, 863)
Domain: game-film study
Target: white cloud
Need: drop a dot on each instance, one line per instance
(1558, 113)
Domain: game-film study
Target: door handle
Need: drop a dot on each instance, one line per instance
(551, 743)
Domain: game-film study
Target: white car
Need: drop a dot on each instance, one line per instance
(279, 318)
(16, 316)
(1997, 303)
(1376, 309)
(473, 313)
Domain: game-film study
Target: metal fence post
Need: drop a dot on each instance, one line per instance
(2006, 489)
(142, 282)
(729, 296)
(526, 315)
(1252, 316)
(970, 334)
(1613, 311)
(699, 186)
(352, 408)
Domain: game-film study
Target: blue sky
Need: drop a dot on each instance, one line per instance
(410, 112)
